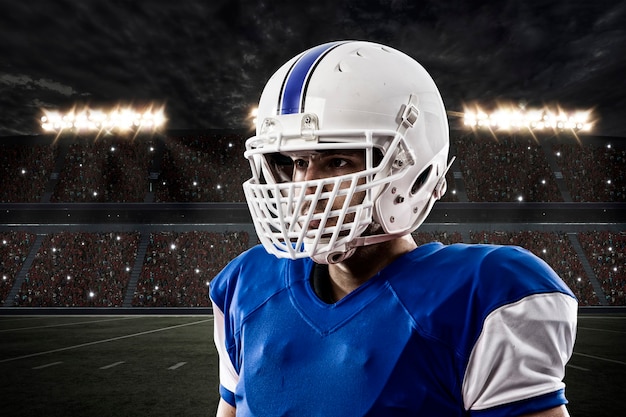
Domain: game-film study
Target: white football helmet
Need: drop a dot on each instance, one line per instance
(346, 95)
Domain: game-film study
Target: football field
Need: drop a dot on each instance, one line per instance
(110, 365)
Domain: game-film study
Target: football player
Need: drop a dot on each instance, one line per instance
(339, 312)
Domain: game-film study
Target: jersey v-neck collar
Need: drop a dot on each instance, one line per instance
(327, 317)
(322, 316)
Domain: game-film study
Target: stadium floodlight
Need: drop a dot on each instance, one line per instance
(253, 116)
(99, 120)
(511, 118)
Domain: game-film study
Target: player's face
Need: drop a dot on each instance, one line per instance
(320, 165)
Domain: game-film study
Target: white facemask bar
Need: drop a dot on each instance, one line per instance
(283, 213)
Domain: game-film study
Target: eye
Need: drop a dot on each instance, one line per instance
(338, 163)
(300, 163)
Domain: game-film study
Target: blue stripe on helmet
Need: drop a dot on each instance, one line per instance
(292, 97)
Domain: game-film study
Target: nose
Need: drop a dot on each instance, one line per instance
(311, 175)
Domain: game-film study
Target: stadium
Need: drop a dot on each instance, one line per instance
(109, 242)
(122, 130)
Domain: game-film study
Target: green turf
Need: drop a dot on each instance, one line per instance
(599, 388)
(143, 385)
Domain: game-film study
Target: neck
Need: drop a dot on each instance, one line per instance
(366, 262)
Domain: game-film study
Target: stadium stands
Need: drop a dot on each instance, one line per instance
(521, 170)
(443, 237)
(209, 167)
(89, 268)
(14, 246)
(24, 171)
(606, 251)
(179, 266)
(104, 170)
(593, 173)
(79, 269)
(202, 168)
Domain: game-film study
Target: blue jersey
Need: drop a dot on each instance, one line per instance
(453, 330)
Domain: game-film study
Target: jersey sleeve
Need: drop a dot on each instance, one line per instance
(222, 289)
(236, 290)
(227, 374)
(518, 362)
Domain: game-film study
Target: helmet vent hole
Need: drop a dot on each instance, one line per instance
(421, 180)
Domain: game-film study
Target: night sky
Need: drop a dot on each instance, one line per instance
(207, 61)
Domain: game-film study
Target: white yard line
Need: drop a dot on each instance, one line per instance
(580, 368)
(601, 330)
(47, 365)
(112, 365)
(600, 358)
(178, 365)
(67, 324)
(105, 340)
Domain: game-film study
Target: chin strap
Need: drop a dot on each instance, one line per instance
(334, 257)
(345, 251)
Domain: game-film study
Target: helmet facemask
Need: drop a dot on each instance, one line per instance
(322, 218)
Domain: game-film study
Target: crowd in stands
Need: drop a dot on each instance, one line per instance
(210, 167)
(505, 170)
(606, 252)
(86, 269)
(25, 171)
(554, 248)
(14, 247)
(94, 269)
(108, 169)
(446, 238)
(80, 269)
(203, 168)
(179, 266)
(593, 173)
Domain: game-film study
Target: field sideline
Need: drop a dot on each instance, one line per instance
(137, 365)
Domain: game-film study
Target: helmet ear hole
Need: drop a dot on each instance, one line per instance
(421, 180)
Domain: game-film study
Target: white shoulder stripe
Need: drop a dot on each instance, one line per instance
(521, 352)
(228, 376)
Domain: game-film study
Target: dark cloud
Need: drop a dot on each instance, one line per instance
(208, 60)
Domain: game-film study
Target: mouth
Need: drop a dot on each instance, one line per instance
(314, 223)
